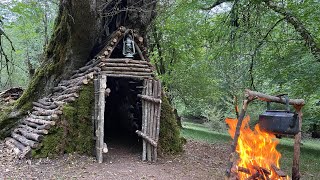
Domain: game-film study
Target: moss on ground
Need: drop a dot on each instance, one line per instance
(74, 130)
(170, 141)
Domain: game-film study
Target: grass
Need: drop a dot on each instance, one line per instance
(309, 156)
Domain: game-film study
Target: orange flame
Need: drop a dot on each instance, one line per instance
(255, 148)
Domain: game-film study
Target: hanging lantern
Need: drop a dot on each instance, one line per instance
(128, 47)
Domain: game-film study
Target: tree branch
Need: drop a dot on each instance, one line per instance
(298, 26)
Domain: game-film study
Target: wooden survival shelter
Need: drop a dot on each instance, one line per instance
(114, 76)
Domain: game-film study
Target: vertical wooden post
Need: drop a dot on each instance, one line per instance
(149, 117)
(100, 118)
(144, 121)
(96, 106)
(157, 118)
(153, 118)
(296, 148)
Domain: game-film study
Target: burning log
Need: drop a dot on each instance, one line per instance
(278, 171)
(244, 170)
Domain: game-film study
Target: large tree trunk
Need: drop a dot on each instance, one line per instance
(81, 28)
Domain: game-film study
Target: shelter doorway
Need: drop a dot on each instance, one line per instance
(123, 115)
(125, 108)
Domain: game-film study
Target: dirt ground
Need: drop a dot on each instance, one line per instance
(199, 161)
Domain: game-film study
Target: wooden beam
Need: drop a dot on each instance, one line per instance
(268, 98)
(147, 138)
(131, 61)
(150, 98)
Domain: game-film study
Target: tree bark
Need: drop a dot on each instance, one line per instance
(298, 26)
(81, 29)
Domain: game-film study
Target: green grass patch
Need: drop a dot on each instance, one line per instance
(309, 157)
(200, 132)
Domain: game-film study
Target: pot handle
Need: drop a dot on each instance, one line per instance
(287, 102)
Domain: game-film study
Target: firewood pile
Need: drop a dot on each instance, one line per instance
(32, 129)
(258, 173)
(11, 94)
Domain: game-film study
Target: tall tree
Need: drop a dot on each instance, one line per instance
(80, 31)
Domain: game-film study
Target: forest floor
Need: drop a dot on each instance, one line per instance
(199, 161)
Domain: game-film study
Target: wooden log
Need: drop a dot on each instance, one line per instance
(122, 29)
(236, 136)
(264, 170)
(74, 82)
(84, 68)
(149, 98)
(149, 91)
(296, 149)
(69, 100)
(254, 176)
(59, 88)
(24, 150)
(71, 90)
(154, 117)
(105, 148)
(147, 138)
(29, 135)
(125, 65)
(37, 126)
(128, 73)
(144, 122)
(45, 101)
(15, 149)
(96, 105)
(100, 133)
(278, 171)
(126, 60)
(94, 69)
(65, 96)
(30, 129)
(244, 170)
(48, 112)
(265, 97)
(48, 118)
(128, 76)
(158, 114)
(52, 106)
(40, 121)
(139, 51)
(24, 140)
(126, 69)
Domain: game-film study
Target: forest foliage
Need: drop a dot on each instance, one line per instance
(206, 56)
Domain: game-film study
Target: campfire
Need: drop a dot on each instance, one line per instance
(253, 152)
(258, 157)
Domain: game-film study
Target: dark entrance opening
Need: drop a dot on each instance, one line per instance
(123, 116)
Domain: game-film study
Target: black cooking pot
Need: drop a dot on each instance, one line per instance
(279, 121)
